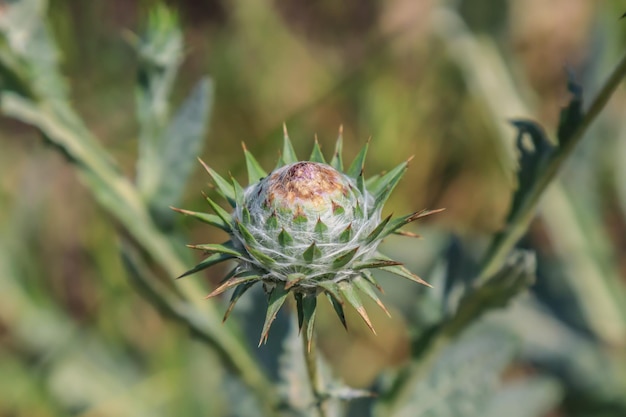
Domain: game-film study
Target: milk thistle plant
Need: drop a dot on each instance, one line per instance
(306, 228)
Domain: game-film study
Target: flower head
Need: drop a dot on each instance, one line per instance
(307, 228)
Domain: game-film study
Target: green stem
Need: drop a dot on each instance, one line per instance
(520, 220)
(317, 384)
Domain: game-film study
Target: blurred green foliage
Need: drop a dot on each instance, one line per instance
(91, 321)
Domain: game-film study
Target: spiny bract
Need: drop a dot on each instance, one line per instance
(308, 228)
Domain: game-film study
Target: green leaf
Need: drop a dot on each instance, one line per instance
(237, 293)
(255, 171)
(338, 307)
(540, 396)
(289, 155)
(386, 184)
(461, 380)
(272, 222)
(316, 154)
(182, 141)
(531, 160)
(517, 274)
(374, 263)
(293, 279)
(341, 260)
(245, 233)
(224, 187)
(221, 213)
(294, 384)
(259, 256)
(276, 300)
(377, 231)
(348, 293)
(309, 308)
(284, 238)
(248, 277)
(208, 262)
(226, 248)
(395, 224)
(357, 166)
(337, 161)
(33, 60)
(346, 235)
(239, 197)
(401, 271)
(571, 116)
(365, 287)
(312, 253)
(207, 218)
(320, 227)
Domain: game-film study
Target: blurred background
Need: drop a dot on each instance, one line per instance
(436, 79)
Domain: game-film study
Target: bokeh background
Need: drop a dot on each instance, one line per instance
(436, 79)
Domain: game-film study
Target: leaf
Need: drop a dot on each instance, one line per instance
(356, 167)
(539, 395)
(531, 159)
(183, 140)
(226, 248)
(338, 307)
(255, 171)
(400, 270)
(159, 50)
(208, 262)
(395, 224)
(221, 213)
(385, 185)
(294, 385)
(275, 302)
(225, 188)
(239, 291)
(348, 293)
(341, 260)
(32, 59)
(207, 218)
(311, 253)
(462, 378)
(517, 274)
(571, 116)
(365, 287)
(289, 155)
(316, 154)
(337, 161)
(246, 278)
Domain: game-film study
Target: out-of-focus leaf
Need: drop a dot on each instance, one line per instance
(461, 380)
(592, 377)
(572, 115)
(182, 142)
(533, 397)
(34, 57)
(294, 386)
(515, 276)
(159, 49)
(532, 157)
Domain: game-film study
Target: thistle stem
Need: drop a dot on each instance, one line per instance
(519, 221)
(309, 348)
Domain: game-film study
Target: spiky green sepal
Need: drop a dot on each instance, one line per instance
(306, 228)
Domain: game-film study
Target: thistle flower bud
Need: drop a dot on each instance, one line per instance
(307, 228)
(309, 219)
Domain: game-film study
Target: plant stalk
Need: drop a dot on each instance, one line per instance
(309, 348)
(504, 242)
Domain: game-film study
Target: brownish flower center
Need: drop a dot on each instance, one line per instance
(305, 182)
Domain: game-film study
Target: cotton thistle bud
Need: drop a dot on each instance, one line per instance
(306, 228)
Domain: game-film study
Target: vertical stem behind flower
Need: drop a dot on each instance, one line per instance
(310, 357)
